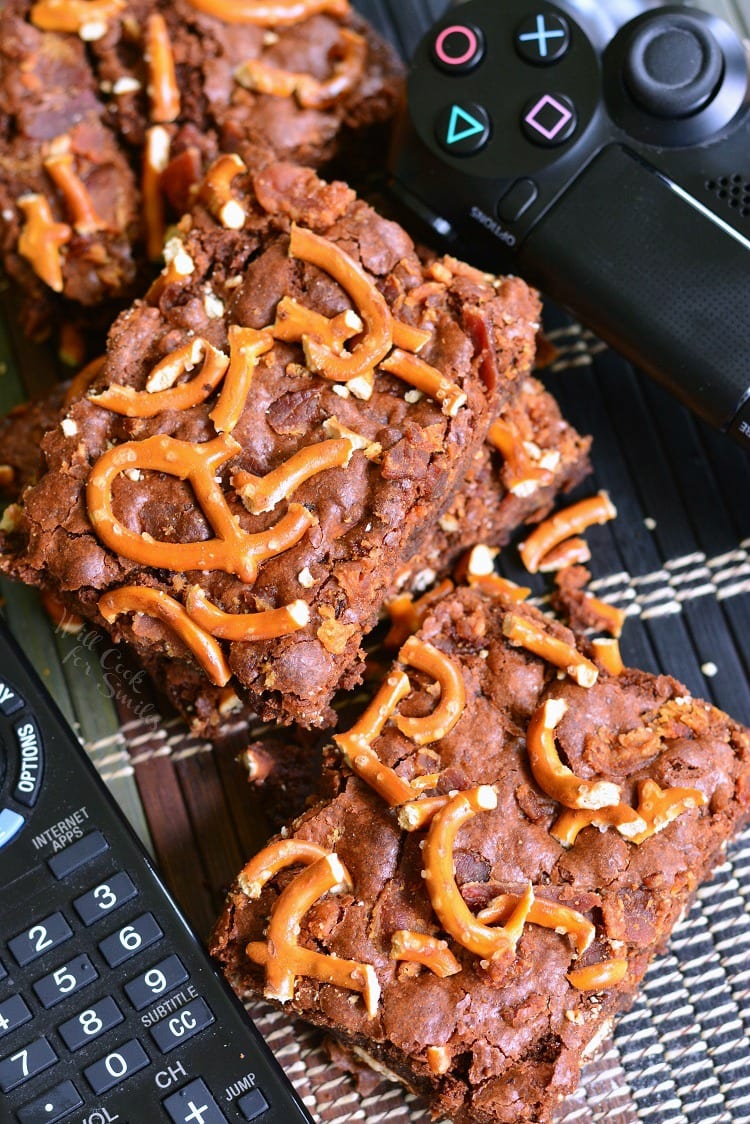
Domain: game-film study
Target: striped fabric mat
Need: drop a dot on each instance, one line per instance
(677, 559)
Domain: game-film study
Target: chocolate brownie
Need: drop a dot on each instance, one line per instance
(21, 433)
(508, 839)
(111, 109)
(275, 432)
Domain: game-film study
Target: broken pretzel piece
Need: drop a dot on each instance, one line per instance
(270, 13)
(597, 977)
(426, 657)
(162, 86)
(246, 345)
(356, 749)
(562, 525)
(216, 191)
(349, 57)
(161, 393)
(274, 858)
(550, 915)
(74, 15)
(81, 211)
(423, 949)
(156, 603)
(267, 624)
(530, 635)
(554, 778)
(284, 959)
(41, 240)
(264, 493)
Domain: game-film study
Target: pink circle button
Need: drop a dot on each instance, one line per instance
(458, 48)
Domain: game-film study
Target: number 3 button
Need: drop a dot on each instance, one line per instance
(104, 898)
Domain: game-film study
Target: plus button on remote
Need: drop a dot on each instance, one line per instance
(543, 39)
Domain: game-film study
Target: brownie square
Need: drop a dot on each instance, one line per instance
(501, 851)
(270, 436)
(109, 116)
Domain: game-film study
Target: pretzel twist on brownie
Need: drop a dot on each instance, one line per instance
(160, 393)
(349, 56)
(42, 239)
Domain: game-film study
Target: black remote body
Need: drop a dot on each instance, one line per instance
(602, 151)
(110, 1009)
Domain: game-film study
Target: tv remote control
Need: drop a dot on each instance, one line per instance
(110, 1009)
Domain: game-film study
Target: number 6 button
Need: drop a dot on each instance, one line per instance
(129, 940)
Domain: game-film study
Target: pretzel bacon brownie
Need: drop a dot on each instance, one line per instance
(110, 110)
(507, 840)
(273, 435)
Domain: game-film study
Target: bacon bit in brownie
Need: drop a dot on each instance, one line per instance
(42, 239)
(155, 603)
(284, 959)
(562, 525)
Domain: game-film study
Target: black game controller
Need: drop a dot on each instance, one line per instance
(602, 150)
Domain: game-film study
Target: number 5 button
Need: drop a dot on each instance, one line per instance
(130, 939)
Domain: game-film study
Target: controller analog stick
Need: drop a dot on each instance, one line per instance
(673, 65)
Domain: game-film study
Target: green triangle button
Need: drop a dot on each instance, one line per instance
(462, 125)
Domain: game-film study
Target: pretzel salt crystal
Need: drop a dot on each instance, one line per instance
(554, 778)
(452, 912)
(263, 493)
(246, 345)
(426, 657)
(550, 915)
(420, 948)
(528, 634)
(72, 15)
(369, 302)
(607, 651)
(570, 824)
(429, 380)
(268, 624)
(155, 160)
(356, 749)
(233, 550)
(284, 959)
(161, 393)
(562, 525)
(216, 191)
(270, 13)
(41, 240)
(349, 58)
(155, 603)
(81, 211)
(162, 87)
(597, 977)
(274, 858)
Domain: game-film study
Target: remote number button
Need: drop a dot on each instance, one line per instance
(52, 1105)
(25, 1064)
(29, 781)
(66, 980)
(91, 1023)
(13, 1013)
(10, 700)
(194, 1104)
(117, 1066)
(155, 982)
(104, 898)
(78, 854)
(41, 938)
(183, 1024)
(130, 940)
(10, 825)
(253, 1105)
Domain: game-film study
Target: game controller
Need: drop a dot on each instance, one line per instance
(602, 151)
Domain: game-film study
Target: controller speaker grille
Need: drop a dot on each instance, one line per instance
(734, 190)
